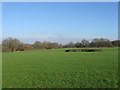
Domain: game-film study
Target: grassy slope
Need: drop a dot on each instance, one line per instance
(56, 68)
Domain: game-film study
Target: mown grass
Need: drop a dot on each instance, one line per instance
(55, 68)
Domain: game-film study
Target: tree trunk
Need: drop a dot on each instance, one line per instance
(12, 49)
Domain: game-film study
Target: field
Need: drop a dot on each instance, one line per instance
(55, 68)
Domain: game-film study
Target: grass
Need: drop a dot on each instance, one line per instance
(56, 68)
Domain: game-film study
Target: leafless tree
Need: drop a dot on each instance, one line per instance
(12, 44)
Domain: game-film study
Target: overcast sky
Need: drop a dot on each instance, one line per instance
(60, 22)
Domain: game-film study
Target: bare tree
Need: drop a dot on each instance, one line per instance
(85, 43)
(12, 44)
(95, 42)
(78, 44)
(37, 45)
(102, 42)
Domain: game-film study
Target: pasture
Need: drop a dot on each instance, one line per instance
(55, 68)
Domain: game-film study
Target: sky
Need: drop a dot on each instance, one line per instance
(60, 22)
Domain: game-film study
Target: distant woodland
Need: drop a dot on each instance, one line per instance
(13, 45)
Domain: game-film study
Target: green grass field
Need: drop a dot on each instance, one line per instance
(55, 68)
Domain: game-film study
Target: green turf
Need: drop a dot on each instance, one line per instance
(55, 68)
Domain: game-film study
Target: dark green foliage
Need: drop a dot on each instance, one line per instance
(116, 43)
(83, 50)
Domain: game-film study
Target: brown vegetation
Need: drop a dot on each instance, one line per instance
(13, 44)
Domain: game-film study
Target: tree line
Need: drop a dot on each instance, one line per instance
(12, 44)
